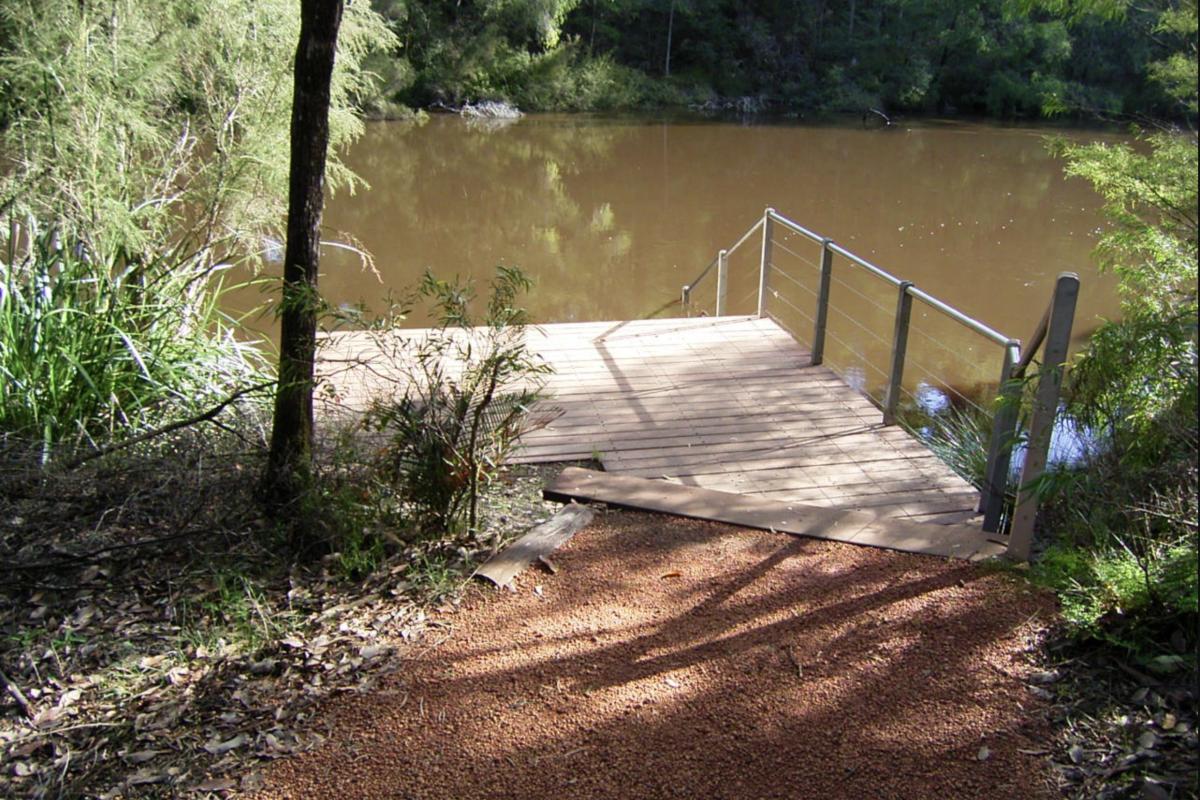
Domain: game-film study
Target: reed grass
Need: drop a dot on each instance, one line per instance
(93, 348)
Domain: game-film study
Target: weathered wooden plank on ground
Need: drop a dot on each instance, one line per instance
(552, 534)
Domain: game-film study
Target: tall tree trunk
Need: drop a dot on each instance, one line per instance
(289, 466)
(670, 30)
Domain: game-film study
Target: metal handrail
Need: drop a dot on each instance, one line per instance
(688, 287)
(867, 265)
(1035, 341)
(1055, 325)
(797, 227)
(961, 318)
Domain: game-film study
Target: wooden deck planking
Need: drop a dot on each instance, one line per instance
(728, 404)
(783, 516)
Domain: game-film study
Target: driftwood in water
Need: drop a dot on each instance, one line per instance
(882, 119)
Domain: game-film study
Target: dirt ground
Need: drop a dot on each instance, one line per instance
(670, 658)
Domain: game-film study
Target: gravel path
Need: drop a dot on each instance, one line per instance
(671, 658)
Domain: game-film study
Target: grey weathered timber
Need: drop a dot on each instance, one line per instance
(722, 281)
(822, 317)
(552, 534)
(1004, 436)
(727, 403)
(1045, 409)
(764, 267)
(899, 351)
(781, 516)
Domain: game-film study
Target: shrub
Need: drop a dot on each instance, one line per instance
(467, 397)
(1126, 546)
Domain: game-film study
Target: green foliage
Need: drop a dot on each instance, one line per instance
(146, 148)
(1150, 199)
(1133, 600)
(468, 394)
(89, 346)
(131, 124)
(1004, 58)
(1125, 558)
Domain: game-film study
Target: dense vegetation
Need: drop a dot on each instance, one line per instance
(992, 57)
(144, 149)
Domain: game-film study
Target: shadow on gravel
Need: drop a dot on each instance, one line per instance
(675, 658)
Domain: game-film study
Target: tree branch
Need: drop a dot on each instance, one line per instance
(174, 426)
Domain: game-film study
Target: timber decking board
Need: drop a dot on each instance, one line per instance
(728, 403)
(799, 519)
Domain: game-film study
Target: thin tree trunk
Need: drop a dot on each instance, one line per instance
(670, 30)
(289, 465)
(592, 40)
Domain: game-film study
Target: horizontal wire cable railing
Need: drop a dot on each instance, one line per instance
(784, 295)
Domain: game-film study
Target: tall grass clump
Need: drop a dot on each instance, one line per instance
(94, 348)
(959, 436)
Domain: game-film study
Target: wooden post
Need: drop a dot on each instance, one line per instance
(1045, 409)
(818, 348)
(722, 281)
(899, 350)
(765, 263)
(1004, 434)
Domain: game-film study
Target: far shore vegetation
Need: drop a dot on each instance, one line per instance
(144, 152)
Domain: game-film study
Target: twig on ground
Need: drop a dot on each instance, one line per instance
(15, 692)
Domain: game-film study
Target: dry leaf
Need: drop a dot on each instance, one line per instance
(224, 747)
(216, 785)
(47, 717)
(141, 756)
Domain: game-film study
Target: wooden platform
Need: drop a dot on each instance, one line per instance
(729, 404)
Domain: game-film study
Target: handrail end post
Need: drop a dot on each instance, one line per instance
(1045, 410)
(764, 266)
(722, 281)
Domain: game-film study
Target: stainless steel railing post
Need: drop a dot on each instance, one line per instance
(1004, 435)
(818, 348)
(899, 351)
(765, 262)
(722, 281)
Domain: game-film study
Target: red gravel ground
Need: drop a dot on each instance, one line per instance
(671, 658)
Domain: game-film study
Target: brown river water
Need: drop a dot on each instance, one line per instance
(611, 216)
